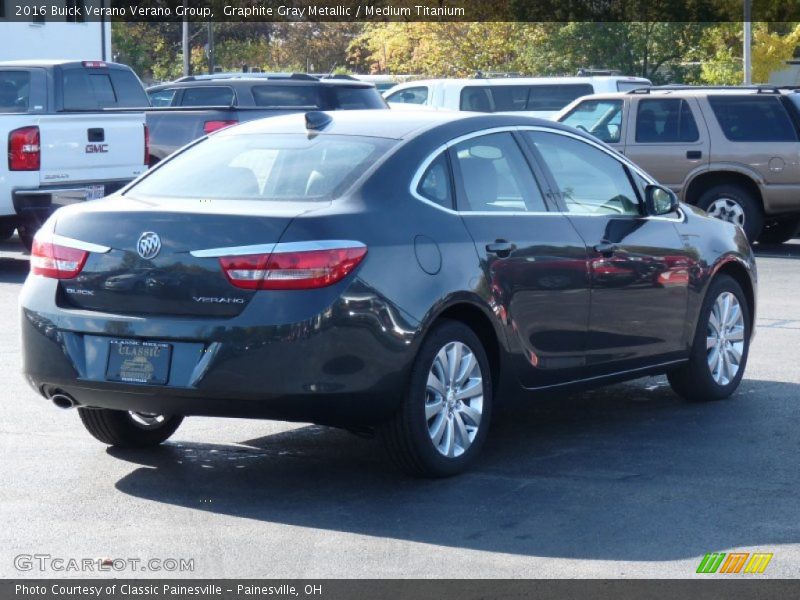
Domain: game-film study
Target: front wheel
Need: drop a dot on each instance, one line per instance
(442, 423)
(128, 429)
(721, 345)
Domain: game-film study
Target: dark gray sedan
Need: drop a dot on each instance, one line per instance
(384, 271)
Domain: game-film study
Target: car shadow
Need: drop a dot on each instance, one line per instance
(628, 472)
(790, 249)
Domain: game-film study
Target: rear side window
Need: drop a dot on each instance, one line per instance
(357, 98)
(414, 95)
(162, 97)
(510, 98)
(601, 118)
(435, 184)
(265, 167)
(664, 121)
(286, 96)
(753, 118)
(14, 91)
(495, 176)
(207, 96)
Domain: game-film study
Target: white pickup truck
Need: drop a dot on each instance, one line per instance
(66, 142)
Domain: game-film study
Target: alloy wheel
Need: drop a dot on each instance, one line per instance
(727, 209)
(454, 399)
(725, 338)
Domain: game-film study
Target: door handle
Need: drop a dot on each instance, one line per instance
(607, 249)
(501, 248)
(693, 154)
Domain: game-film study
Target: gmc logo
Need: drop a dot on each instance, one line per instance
(96, 148)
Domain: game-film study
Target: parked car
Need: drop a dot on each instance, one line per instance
(385, 270)
(66, 143)
(731, 151)
(203, 104)
(533, 96)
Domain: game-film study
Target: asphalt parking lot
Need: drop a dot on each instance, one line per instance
(626, 481)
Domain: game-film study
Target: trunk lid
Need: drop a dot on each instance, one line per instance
(173, 282)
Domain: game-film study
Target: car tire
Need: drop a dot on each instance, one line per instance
(704, 377)
(464, 405)
(26, 232)
(733, 203)
(125, 429)
(780, 231)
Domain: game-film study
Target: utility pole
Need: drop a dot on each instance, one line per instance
(185, 44)
(210, 47)
(746, 59)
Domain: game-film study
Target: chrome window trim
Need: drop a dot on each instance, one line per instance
(77, 244)
(305, 246)
(420, 172)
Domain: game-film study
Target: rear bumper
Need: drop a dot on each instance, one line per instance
(44, 200)
(337, 367)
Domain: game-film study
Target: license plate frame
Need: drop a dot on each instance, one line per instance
(139, 362)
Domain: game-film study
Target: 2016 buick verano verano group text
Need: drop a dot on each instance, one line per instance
(379, 270)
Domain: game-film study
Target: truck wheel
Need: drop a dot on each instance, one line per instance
(128, 429)
(6, 231)
(26, 232)
(780, 231)
(733, 203)
(720, 347)
(442, 423)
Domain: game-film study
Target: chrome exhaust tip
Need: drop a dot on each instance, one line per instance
(63, 401)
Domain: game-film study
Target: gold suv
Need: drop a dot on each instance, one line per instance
(733, 151)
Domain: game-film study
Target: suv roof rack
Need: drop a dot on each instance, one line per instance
(760, 89)
(247, 75)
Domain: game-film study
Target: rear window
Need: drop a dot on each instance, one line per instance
(265, 167)
(357, 98)
(753, 118)
(273, 96)
(510, 98)
(95, 89)
(14, 91)
(208, 96)
(627, 86)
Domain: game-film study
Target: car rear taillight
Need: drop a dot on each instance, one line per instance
(212, 126)
(301, 270)
(24, 151)
(55, 261)
(146, 145)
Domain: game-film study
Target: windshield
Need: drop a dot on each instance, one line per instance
(264, 167)
(601, 118)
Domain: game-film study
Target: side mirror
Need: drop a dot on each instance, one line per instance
(659, 200)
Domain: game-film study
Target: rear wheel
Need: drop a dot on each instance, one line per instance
(721, 345)
(733, 203)
(128, 429)
(442, 423)
(780, 231)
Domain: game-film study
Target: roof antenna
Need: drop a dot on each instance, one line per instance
(316, 119)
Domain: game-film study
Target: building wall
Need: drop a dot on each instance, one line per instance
(54, 39)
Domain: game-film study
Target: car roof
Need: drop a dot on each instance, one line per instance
(692, 91)
(390, 124)
(520, 81)
(244, 82)
(58, 63)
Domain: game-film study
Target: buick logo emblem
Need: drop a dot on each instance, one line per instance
(149, 245)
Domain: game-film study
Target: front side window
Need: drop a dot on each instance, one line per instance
(590, 181)
(753, 118)
(495, 176)
(665, 121)
(264, 167)
(601, 118)
(207, 96)
(15, 89)
(415, 95)
(435, 183)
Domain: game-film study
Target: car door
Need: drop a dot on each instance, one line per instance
(533, 261)
(639, 267)
(667, 137)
